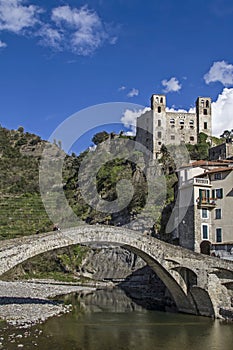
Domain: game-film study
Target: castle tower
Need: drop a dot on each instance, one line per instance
(158, 106)
(204, 118)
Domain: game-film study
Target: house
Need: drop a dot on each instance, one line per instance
(223, 151)
(204, 205)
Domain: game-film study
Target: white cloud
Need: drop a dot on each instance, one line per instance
(2, 44)
(222, 112)
(15, 16)
(133, 92)
(220, 71)
(129, 119)
(122, 88)
(172, 85)
(78, 30)
(181, 110)
(50, 37)
(83, 30)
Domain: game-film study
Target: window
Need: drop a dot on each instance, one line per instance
(204, 196)
(159, 109)
(205, 125)
(181, 122)
(159, 122)
(172, 121)
(218, 176)
(218, 235)
(218, 214)
(207, 104)
(159, 143)
(161, 100)
(172, 137)
(202, 103)
(218, 193)
(204, 213)
(191, 138)
(191, 124)
(205, 111)
(205, 231)
(159, 134)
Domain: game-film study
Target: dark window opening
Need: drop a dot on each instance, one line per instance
(159, 134)
(205, 111)
(218, 176)
(218, 214)
(191, 138)
(159, 122)
(207, 104)
(161, 100)
(218, 235)
(159, 109)
(205, 125)
(205, 231)
(172, 137)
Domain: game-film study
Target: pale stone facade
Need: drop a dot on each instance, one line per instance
(158, 126)
(204, 206)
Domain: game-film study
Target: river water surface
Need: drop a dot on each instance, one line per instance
(108, 320)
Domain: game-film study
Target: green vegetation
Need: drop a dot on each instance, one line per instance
(200, 150)
(100, 137)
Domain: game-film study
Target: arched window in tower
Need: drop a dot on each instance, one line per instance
(207, 104)
(172, 121)
(202, 103)
(159, 109)
(205, 111)
(191, 124)
(161, 100)
(157, 99)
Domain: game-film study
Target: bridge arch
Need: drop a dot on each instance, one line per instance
(155, 253)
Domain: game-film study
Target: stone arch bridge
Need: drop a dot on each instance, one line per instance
(199, 284)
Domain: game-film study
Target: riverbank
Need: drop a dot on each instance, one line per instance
(24, 304)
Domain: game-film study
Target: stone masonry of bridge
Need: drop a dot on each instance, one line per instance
(199, 284)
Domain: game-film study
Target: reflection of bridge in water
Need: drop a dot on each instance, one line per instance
(199, 284)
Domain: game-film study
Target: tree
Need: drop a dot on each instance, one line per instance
(21, 129)
(227, 135)
(100, 137)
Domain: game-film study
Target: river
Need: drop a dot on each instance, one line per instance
(109, 320)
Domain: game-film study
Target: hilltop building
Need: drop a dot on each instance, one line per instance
(203, 210)
(158, 126)
(223, 151)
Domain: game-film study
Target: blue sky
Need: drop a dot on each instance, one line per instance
(58, 57)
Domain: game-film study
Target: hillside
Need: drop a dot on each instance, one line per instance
(23, 213)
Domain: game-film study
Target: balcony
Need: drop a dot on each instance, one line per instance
(209, 203)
